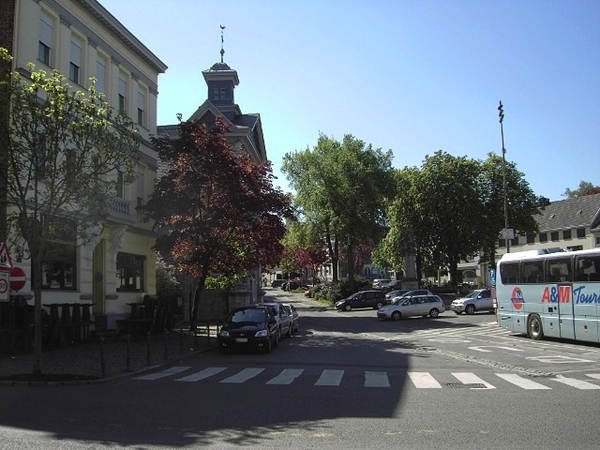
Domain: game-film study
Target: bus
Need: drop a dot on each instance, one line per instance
(550, 293)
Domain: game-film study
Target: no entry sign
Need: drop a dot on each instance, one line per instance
(17, 279)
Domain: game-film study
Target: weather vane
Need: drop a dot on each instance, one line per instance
(222, 51)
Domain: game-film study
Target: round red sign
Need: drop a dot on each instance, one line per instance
(17, 278)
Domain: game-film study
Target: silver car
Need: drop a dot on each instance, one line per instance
(477, 300)
(421, 305)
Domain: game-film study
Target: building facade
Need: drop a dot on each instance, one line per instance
(81, 39)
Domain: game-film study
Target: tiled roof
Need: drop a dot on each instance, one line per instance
(570, 213)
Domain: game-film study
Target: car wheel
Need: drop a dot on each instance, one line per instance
(347, 307)
(534, 327)
(378, 305)
(289, 333)
(470, 310)
(396, 315)
(434, 313)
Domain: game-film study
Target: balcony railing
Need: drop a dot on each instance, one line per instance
(120, 209)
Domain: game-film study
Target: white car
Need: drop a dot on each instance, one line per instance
(282, 317)
(477, 300)
(421, 305)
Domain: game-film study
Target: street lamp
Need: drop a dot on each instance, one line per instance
(506, 232)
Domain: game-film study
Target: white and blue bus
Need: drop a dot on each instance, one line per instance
(550, 293)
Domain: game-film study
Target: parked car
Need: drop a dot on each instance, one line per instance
(293, 313)
(381, 283)
(282, 318)
(362, 299)
(396, 293)
(277, 283)
(249, 328)
(420, 305)
(477, 300)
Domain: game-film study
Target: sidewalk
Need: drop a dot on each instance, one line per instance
(95, 361)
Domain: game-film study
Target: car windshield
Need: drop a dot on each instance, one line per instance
(248, 316)
(473, 294)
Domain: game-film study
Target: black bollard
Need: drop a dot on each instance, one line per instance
(166, 345)
(148, 362)
(102, 361)
(128, 353)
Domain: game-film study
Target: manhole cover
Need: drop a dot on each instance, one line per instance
(466, 385)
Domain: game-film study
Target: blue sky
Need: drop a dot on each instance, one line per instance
(413, 76)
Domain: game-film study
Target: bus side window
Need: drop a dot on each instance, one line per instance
(509, 273)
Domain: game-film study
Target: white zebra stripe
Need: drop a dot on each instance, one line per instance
(579, 384)
(165, 373)
(286, 376)
(242, 376)
(202, 374)
(424, 380)
(469, 378)
(521, 382)
(376, 379)
(330, 378)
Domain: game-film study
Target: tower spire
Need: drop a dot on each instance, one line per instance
(222, 50)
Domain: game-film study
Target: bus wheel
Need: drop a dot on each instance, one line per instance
(534, 327)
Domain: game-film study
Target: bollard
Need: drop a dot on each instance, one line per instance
(180, 339)
(148, 362)
(128, 353)
(102, 361)
(166, 345)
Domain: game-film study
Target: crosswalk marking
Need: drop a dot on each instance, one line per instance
(424, 380)
(376, 379)
(330, 378)
(471, 378)
(165, 373)
(202, 374)
(286, 376)
(242, 376)
(579, 384)
(521, 382)
(373, 379)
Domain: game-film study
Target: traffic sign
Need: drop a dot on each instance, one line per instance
(17, 279)
(5, 260)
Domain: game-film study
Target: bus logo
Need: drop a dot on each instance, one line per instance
(517, 298)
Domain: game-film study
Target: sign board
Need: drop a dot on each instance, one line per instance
(507, 233)
(17, 279)
(5, 260)
(4, 286)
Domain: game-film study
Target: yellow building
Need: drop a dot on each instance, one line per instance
(82, 39)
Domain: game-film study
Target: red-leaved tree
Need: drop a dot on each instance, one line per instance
(216, 211)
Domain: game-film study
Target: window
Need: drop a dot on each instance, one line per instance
(141, 108)
(533, 271)
(130, 272)
(567, 234)
(123, 92)
(101, 74)
(530, 239)
(514, 242)
(60, 258)
(75, 63)
(543, 237)
(554, 236)
(580, 232)
(509, 273)
(46, 32)
(559, 270)
(502, 243)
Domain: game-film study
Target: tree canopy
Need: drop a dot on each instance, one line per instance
(341, 188)
(217, 212)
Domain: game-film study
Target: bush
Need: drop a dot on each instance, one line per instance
(333, 292)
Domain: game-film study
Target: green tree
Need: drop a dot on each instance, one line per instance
(522, 204)
(217, 210)
(446, 196)
(585, 188)
(62, 150)
(341, 187)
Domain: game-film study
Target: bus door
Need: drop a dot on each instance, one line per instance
(564, 303)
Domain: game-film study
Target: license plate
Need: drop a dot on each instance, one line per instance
(241, 340)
